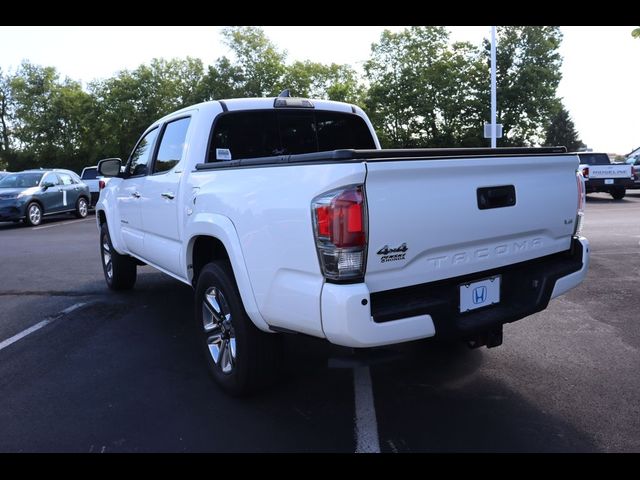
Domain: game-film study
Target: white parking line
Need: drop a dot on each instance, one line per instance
(38, 326)
(366, 424)
(63, 223)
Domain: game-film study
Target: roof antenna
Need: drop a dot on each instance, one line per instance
(285, 93)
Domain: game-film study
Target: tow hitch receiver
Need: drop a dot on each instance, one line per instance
(490, 338)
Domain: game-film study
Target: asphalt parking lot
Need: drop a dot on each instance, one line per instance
(107, 372)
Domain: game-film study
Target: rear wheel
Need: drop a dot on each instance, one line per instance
(119, 270)
(34, 214)
(241, 358)
(618, 193)
(82, 207)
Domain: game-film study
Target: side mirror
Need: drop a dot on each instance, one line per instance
(46, 185)
(109, 167)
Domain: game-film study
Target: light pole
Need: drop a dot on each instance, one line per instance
(493, 87)
(493, 130)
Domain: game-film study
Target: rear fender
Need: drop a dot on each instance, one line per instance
(221, 227)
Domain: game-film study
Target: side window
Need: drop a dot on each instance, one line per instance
(51, 178)
(141, 156)
(171, 145)
(90, 174)
(241, 135)
(66, 179)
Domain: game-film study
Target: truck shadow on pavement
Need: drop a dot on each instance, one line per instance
(439, 399)
(124, 375)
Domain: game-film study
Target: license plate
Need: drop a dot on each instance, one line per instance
(608, 181)
(479, 294)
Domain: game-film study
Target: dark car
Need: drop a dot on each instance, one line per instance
(32, 194)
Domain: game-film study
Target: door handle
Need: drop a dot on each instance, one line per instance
(135, 194)
(168, 195)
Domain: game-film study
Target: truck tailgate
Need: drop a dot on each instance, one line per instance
(610, 171)
(439, 218)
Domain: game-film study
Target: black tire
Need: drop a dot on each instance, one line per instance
(119, 270)
(82, 207)
(256, 360)
(33, 215)
(618, 193)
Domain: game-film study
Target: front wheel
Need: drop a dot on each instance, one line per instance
(241, 358)
(119, 270)
(82, 207)
(34, 214)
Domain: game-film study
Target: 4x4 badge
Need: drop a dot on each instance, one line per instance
(393, 254)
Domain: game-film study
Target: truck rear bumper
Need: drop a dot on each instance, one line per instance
(599, 185)
(353, 317)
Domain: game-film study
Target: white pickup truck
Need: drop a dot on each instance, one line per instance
(286, 216)
(601, 175)
(95, 182)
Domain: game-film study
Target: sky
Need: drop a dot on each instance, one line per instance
(600, 84)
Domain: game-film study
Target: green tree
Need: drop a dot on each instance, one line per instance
(425, 92)
(259, 70)
(5, 119)
(259, 65)
(317, 80)
(125, 105)
(562, 131)
(528, 74)
(49, 119)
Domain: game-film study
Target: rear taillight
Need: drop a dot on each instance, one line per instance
(101, 184)
(580, 207)
(340, 228)
(585, 172)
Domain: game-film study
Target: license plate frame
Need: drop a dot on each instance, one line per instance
(480, 293)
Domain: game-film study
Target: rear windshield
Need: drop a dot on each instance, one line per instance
(89, 173)
(594, 158)
(264, 133)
